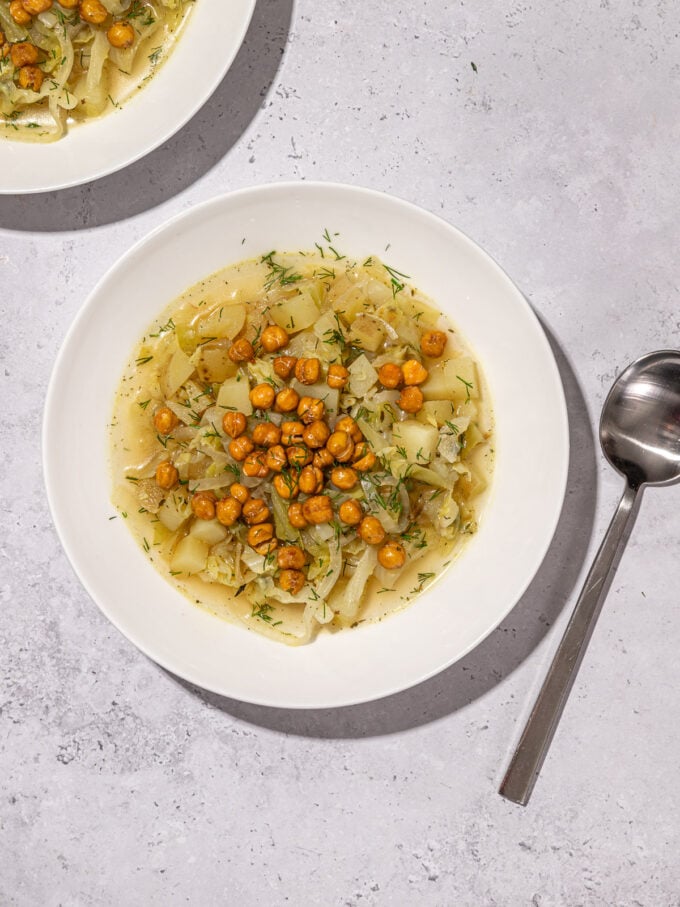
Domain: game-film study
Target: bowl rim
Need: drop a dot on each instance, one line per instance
(540, 551)
(188, 112)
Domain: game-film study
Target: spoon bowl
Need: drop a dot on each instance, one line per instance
(640, 425)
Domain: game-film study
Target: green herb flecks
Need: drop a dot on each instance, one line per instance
(422, 579)
(397, 285)
(278, 273)
(264, 613)
(468, 387)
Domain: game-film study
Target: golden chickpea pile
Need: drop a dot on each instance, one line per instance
(120, 32)
(26, 57)
(304, 456)
(411, 374)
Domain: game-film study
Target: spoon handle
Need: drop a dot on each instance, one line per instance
(533, 745)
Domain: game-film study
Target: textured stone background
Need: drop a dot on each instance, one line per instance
(121, 786)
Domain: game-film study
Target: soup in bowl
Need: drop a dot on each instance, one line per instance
(501, 351)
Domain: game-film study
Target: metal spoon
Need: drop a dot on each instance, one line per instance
(640, 436)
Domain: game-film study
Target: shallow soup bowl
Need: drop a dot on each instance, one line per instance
(495, 566)
(203, 53)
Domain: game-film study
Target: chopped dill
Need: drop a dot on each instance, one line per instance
(468, 387)
(397, 285)
(263, 612)
(277, 272)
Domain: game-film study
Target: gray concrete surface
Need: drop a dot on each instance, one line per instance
(121, 786)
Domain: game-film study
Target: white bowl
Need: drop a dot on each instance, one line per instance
(94, 149)
(495, 567)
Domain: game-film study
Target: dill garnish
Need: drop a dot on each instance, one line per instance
(277, 272)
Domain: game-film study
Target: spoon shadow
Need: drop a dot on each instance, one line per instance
(186, 157)
(501, 652)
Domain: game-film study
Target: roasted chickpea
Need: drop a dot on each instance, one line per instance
(121, 34)
(350, 512)
(262, 396)
(287, 400)
(392, 555)
(364, 458)
(316, 435)
(347, 423)
(35, 7)
(273, 338)
(2, 40)
(93, 11)
(344, 477)
(203, 505)
(337, 377)
(255, 465)
(234, 424)
(284, 366)
(411, 400)
(298, 456)
(240, 447)
(414, 372)
(166, 475)
(361, 449)
(323, 458)
(69, 4)
(18, 13)
(311, 480)
(23, 54)
(276, 458)
(365, 464)
(307, 371)
(165, 420)
(261, 538)
(291, 581)
(227, 511)
(311, 409)
(287, 485)
(255, 511)
(296, 517)
(389, 375)
(292, 432)
(241, 351)
(290, 557)
(433, 344)
(371, 530)
(239, 492)
(318, 509)
(266, 434)
(31, 78)
(341, 446)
